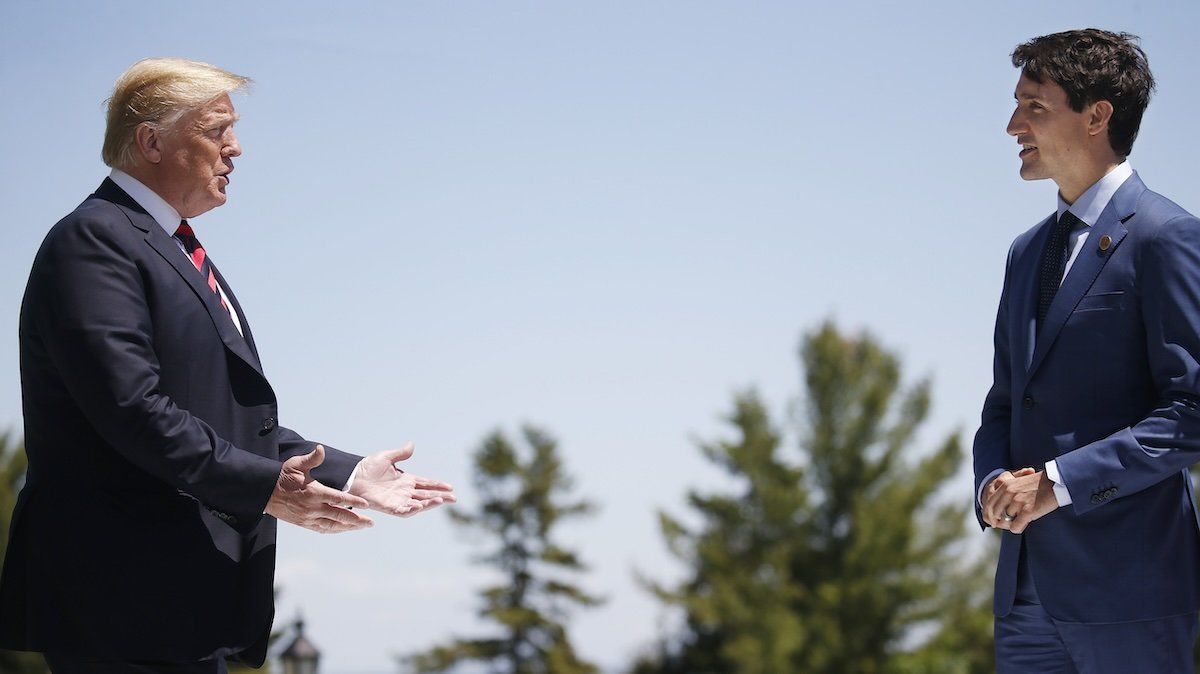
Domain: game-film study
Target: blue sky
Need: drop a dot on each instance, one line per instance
(604, 218)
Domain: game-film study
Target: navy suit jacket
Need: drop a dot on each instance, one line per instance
(1111, 389)
(153, 448)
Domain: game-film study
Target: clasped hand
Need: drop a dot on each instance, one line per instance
(1013, 501)
(299, 499)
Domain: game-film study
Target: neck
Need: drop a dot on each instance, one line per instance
(146, 176)
(1072, 187)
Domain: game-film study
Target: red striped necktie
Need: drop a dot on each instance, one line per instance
(195, 251)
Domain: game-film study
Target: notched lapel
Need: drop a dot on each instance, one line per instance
(166, 247)
(1024, 293)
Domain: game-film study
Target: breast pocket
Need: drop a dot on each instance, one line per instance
(1105, 301)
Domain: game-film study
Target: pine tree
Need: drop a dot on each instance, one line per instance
(12, 477)
(520, 504)
(823, 561)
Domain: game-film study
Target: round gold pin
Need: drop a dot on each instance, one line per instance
(1105, 242)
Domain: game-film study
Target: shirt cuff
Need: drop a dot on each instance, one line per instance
(1060, 488)
(353, 474)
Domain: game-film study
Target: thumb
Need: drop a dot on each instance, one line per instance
(394, 455)
(1023, 472)
(309, 461)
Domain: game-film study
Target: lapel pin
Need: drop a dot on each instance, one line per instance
(1105, 242)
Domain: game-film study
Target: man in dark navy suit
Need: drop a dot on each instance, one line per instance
(144, 537)
(1094, 414)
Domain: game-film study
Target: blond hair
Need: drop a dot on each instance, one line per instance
(159, 91)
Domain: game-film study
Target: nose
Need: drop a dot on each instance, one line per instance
(232, 147)
(1016, 123)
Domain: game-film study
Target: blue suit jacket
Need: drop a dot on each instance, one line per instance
(153, 448)
(1111, 389)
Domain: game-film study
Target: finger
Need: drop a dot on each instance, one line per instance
(997, 484)
(987, 518)
(998, 505)
(429, 483)
(308, 461)
(989, 502)
(324, 525)
(429, 505)
(335, 497)
(347, 517)
(427, 494)
(394, 455)
(1024, 471)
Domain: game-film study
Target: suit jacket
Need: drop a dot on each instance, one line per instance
(1110, 387)
(153, 447)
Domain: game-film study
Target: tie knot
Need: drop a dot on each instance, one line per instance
(1069, 221)
(187, 237)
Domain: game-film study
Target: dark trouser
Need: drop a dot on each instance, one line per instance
(1029, 641)
(71, 664)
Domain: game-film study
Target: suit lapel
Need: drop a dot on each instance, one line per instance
(1088, 264)
(1025, 292)
(236, 306)
(166, 247)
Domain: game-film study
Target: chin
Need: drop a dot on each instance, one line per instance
(1031, 173)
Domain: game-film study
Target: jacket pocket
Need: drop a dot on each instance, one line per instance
(1114, 299)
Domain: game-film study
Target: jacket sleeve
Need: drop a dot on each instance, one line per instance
(89, 308)
(1167, 440)
(991, 450)
(334, 472)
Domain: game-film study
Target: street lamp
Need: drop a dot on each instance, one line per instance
(301, 656)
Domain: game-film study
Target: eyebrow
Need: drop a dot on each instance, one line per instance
(221, 116)
(1027, 97)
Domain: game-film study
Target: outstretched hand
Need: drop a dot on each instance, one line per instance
(388, 489)
(299, 499)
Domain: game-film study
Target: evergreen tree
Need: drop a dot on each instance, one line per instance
(520, 504)
(12, 478)
(827, 560)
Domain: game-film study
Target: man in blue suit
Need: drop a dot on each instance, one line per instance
(1094, 414)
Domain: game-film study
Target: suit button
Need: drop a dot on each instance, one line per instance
(1027, 402)
(268, 424)
(1096, 498)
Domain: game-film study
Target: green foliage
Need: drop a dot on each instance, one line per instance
(12, 477)
(826, 561)
(519, 507)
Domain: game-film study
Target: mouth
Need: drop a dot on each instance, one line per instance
(1027, 149)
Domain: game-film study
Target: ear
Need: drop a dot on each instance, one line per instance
(148, 141)
(1099, 116)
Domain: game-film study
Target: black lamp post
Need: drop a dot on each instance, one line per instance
(301, 656)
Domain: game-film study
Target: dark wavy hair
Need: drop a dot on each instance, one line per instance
(1094, 65)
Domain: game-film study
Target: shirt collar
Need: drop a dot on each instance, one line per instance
(162, 212)
(1092, 203)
